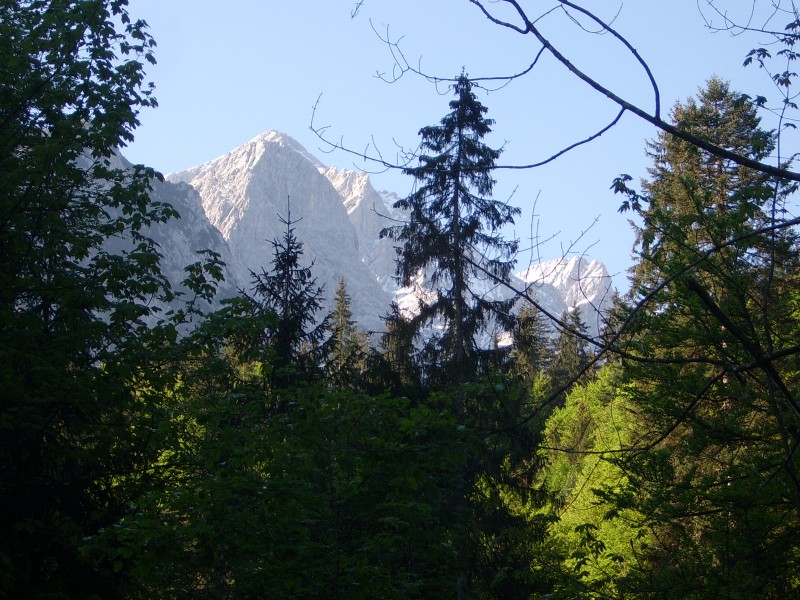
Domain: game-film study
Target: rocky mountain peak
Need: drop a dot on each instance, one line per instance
(581, 283)
(247, 191)
(338, 215)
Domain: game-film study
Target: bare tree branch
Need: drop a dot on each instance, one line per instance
(529, 27)
(563, 151)
(354, 12)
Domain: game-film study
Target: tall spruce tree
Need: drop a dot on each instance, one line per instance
(532, 347)
(453, 233)
(715, 474)
(298, 338)
(695, 200)
(571, 352)
(349, 347)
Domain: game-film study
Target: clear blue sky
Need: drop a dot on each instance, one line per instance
(228, 71)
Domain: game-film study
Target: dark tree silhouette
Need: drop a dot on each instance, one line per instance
(453, 225)
(298, 338)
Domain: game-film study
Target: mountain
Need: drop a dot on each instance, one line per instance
(235, 204)
(557, 285)
(247, 191)
(369, 211)
(578, 284)
(180, 241)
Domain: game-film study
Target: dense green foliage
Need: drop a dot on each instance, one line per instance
(73, 341)
(268, 452)
(289, 293)
(712, 366)
(582, 440)
(346, 363)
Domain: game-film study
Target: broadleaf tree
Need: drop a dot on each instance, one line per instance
(73, 313)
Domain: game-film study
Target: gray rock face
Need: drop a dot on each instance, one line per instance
(180, 242)
(369, 211)
(183, 238)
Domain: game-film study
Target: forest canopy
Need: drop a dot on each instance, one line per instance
(154, 449)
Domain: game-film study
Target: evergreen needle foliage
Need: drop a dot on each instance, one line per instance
(452, 236)
(298, 337)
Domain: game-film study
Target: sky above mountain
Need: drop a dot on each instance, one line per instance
(227, 72)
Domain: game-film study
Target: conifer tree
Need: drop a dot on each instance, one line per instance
(695, 200)
(453, 233)
(298, 338)
(532, 346)
(349, 346)
(571, 353)
(395, 365)
(712, 366)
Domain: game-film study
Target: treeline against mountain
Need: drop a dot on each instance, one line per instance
(268, 450)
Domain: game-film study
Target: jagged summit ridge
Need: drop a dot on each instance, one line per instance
(369, 211)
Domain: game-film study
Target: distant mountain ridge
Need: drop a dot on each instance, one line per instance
(244, 193)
